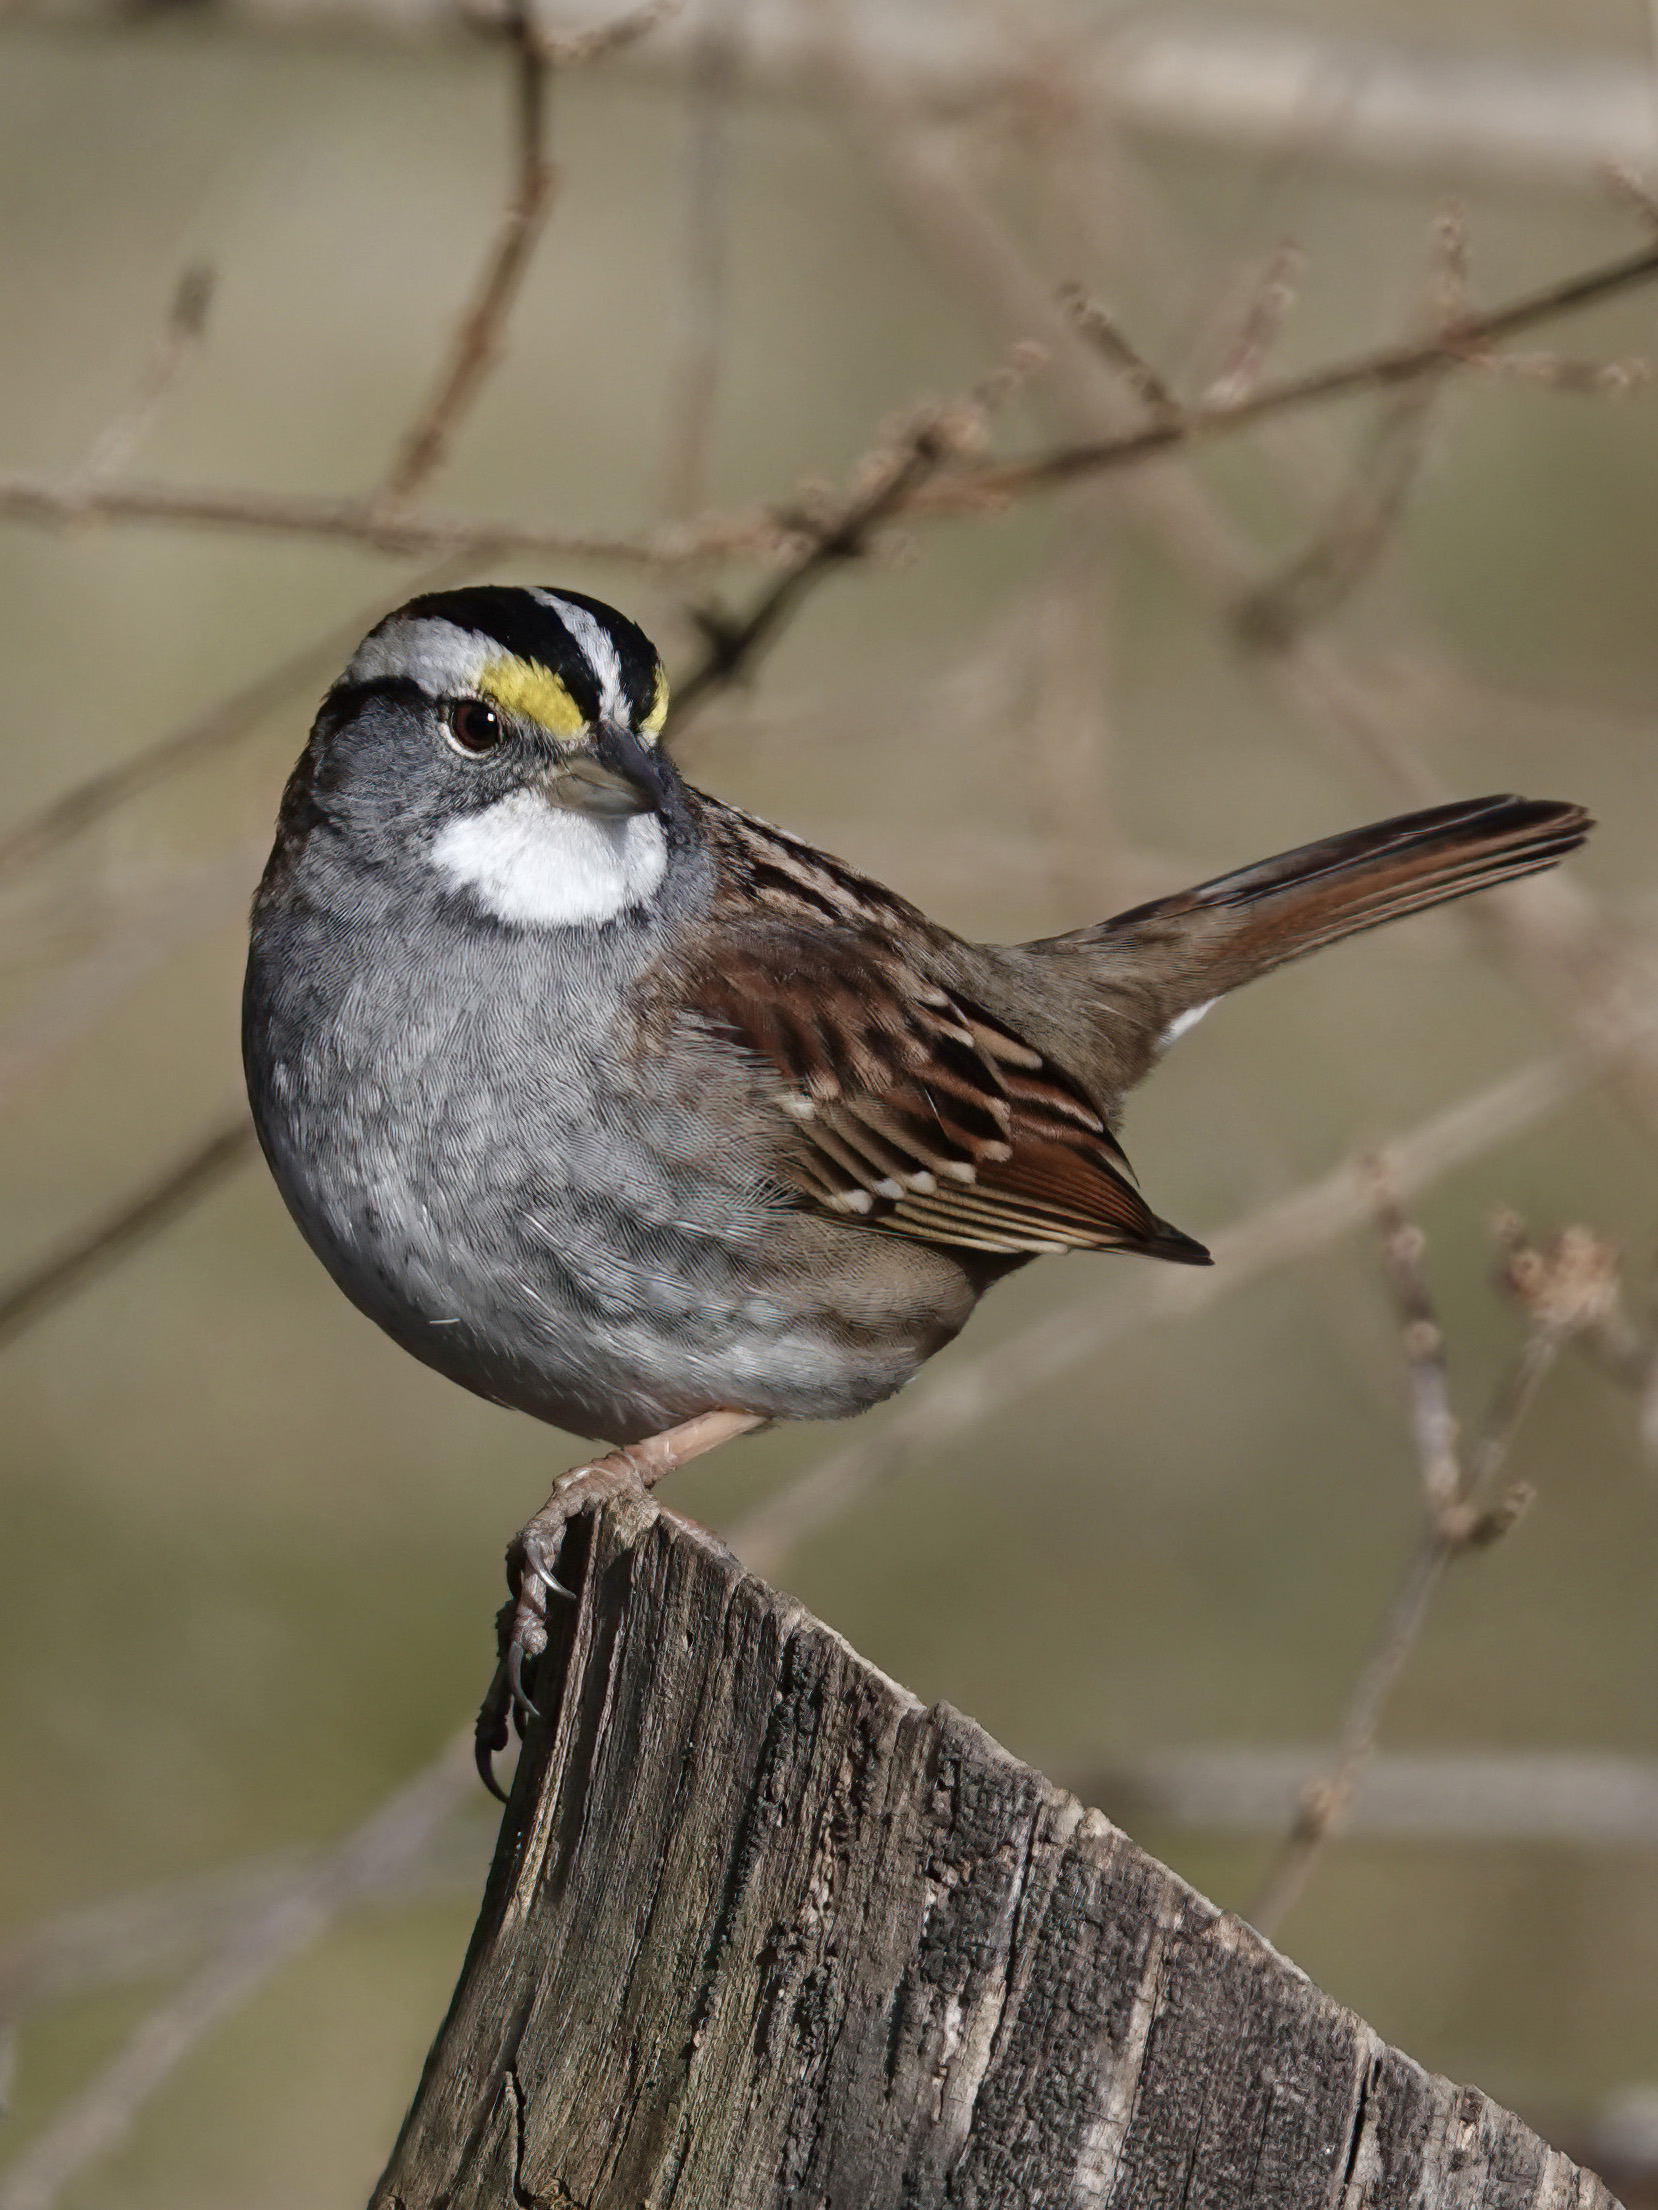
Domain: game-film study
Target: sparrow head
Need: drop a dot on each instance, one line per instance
(503, 741)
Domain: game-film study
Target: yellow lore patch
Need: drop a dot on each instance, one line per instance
(526, 688)
(651, 726)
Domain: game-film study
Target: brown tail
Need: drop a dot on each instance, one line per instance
(1211, 939)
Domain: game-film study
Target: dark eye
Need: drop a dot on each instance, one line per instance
(474, 728)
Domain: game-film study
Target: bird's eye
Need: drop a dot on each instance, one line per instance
(474, 728)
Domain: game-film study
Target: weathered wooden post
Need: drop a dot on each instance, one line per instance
(762, 1930)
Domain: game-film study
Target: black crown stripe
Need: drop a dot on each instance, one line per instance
(521, 625)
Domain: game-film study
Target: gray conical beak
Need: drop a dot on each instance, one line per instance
(588, 784)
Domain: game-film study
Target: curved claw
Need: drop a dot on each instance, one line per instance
(521, 1624)
(491, 1733)
(521, 1700)
(536, 1570)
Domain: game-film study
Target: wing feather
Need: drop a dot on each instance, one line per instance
(914, 1109)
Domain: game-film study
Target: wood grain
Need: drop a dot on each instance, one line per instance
(764, 1930)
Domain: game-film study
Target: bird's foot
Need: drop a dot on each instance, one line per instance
(521, 1623)
(532, 1557)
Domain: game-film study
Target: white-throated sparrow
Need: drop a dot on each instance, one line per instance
(623, 1108)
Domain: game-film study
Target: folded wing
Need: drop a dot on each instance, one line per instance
(918, 1111)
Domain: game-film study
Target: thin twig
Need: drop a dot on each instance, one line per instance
(1583, 1272)
(1449, 298)
(151, 1932)
(695, 376)
(1364, 516)
(1109, 340)
(477, 340)
(133, 1222)
(32, 497)
(139, 928)
(1549, 931)
(1573, 1799)
(411, 532)
(1555, 372)
(220, 725)
(948, 1404)
(1271, 298)
(1584, 1800)
(567, 49)
(1460, 1513)
(1628, 187)
(180, 338)
(842, 535)
(1379, 370)
(1354, 535)
(98, 2119)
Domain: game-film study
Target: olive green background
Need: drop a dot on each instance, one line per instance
(249, 1552)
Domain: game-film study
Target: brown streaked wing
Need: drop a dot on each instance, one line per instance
(916, 1110)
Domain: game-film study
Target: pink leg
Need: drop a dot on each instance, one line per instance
(533, 1553)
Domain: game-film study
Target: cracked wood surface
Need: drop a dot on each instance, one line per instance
(764, 1930)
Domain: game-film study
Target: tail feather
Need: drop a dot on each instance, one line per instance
(1208, 940)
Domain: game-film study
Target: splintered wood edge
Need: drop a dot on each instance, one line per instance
(763, 1928)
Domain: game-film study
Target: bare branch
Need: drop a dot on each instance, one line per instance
(1363, 518)
(1459, 1514)
(1573, 1283)
(98, 2119)
(1269, 307)
(1584, 1800)
(1352, 539)
(1628, 186)
(477, 341)
(1110, 341)
(1567, 1799)
(219, 726)
(937, 1409)
(1549, 931)
(1433, 1423)
(31, 1295)
(148, 1933)
(408, 532)
(180, 339)
(1382, 369)
(1554, 372)
(32, 497)
(837, 532)
(1449, 298)
(568, 49)
(1406, 107)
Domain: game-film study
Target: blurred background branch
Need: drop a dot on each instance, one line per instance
(1351, 101)
(1461, 1512)
(1318, 534)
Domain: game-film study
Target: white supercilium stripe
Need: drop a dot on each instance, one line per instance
(446, 661)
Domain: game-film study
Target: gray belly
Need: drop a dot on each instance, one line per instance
(576, 1256)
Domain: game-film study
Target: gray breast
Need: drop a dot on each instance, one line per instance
(467, 1130)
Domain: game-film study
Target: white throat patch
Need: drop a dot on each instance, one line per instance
(539, 866)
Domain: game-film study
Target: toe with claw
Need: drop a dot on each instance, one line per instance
(521, 1624)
